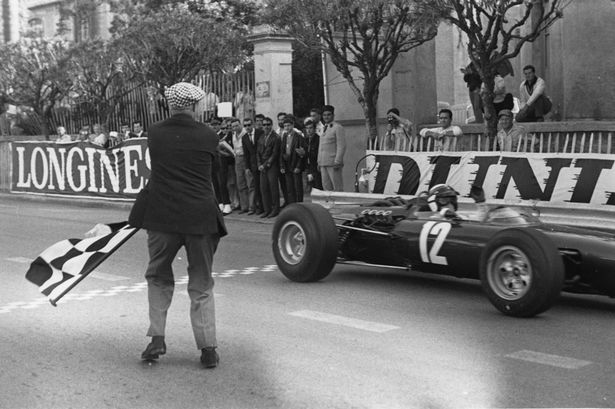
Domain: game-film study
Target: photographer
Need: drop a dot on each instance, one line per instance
(399, 132)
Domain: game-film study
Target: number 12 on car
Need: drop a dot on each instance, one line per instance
(440, 230)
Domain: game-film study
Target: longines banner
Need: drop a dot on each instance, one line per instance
(80, 168)
(511, 177)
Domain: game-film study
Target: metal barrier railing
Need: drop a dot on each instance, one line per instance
(597, 137)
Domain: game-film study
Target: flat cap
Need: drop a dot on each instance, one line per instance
(183, 94)
(506, 112)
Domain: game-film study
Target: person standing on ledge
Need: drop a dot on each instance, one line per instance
(179, 209)
(331, 151)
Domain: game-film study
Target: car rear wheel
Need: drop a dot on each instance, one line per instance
(305, 242)
(521, 272)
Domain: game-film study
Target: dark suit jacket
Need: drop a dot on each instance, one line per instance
(268, 150)
(134, 135)
(249, 149)
(311, 156)
(291, 161)
(179, 196)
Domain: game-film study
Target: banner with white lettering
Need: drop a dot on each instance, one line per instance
(580, 179)
(80, 169)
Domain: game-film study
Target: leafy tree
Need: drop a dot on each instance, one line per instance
(99, 77)
(362, 37)
(34, 73)
(497, 30)
(173, 43)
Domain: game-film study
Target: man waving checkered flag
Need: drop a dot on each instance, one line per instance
(62, 266)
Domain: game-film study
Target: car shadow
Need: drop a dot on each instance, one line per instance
(384, 278)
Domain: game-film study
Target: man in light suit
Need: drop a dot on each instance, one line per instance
(178, 208)
(331, 151)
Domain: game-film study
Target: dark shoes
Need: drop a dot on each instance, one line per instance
(264, 215)
(154, 349)
(251, 212)
(273, 214)
(209, 357)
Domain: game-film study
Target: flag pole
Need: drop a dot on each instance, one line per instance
(91, 268)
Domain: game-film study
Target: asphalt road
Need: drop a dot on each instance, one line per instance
(361, 338)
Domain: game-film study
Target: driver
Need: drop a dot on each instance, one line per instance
(442, 200)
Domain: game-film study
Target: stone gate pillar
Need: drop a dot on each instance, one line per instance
(273, 79)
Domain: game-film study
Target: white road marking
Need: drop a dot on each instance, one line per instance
(548, 359)
(21, 260)
(345, 321)
(119, 289)
(107, 277)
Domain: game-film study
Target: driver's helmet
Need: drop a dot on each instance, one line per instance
(440, 196)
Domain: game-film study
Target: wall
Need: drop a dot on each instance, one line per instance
(589, 74)
(411, 87)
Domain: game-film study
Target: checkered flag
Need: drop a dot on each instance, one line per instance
(62, 266)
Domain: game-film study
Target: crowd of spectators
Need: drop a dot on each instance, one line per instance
(531, 106)
(265, 165)
(98, 135)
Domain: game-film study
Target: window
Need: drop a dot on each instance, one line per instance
(35, 26)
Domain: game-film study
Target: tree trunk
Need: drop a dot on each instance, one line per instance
(45, 117)
(491, 118)
(371, 124)
(370, 110)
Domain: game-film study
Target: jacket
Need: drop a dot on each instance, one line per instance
(289, 158)
(179, 197)
(268, 150)
(249, 149)
(332, 145)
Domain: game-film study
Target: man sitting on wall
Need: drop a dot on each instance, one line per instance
(534, 104)
(444, 136)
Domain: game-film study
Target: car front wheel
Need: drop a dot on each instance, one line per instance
(304, 242)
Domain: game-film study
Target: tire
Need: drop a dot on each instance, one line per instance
(522, 272)
(304, 242)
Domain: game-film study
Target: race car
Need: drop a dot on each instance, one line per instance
(522, 263)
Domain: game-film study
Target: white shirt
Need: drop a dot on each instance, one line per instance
(237, 145)
(443, 142)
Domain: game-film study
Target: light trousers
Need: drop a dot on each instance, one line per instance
(200, 249)
(242, 182)
(332, 179)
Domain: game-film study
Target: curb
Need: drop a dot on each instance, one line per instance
(98, 203)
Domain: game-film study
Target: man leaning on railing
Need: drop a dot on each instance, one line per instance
(445, 136)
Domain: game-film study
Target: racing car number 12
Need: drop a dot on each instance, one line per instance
(440, 230)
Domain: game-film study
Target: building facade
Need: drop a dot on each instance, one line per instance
(42, 18)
